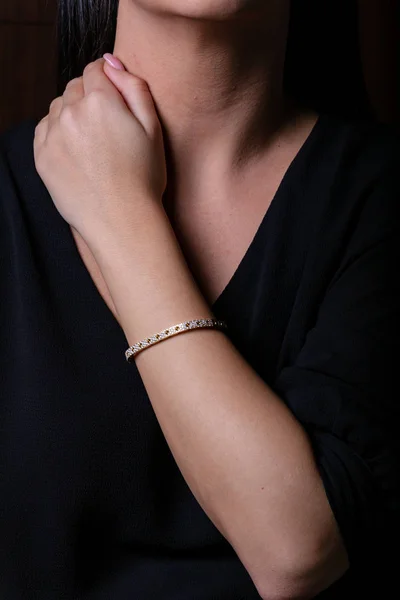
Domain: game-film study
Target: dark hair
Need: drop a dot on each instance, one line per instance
(86, 30)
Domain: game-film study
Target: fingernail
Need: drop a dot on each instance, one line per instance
(113, 61)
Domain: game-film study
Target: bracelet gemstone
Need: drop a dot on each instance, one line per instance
(170, 331)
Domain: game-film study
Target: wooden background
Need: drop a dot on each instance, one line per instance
(28, 59)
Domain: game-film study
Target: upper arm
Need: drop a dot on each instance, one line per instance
(343, 386)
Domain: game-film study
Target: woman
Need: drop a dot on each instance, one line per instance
(255, 456)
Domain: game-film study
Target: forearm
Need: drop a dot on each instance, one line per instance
(245, 457)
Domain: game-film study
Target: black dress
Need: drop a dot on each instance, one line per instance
(92, 503)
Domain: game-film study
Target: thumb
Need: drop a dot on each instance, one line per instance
(134, 91)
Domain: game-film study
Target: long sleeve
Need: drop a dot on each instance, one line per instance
(344, 385)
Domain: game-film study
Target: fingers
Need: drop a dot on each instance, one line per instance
(41, 131)
(74, 91)
(54, 110)
(94, 79)
(43, 127)
(137, 96)
(100, 75)
(132, 91)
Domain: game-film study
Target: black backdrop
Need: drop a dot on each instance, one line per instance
(323, 62)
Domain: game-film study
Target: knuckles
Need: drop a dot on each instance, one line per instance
(96, 64)
(40, 155)
(95, 100)
(87, 69)
(41, 124)
(55, 103)
(67, 116)
(73, 82)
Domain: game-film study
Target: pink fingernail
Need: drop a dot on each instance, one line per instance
(113, 61)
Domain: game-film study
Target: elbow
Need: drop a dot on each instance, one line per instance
(304, 576)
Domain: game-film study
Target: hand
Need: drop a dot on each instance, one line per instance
(100, 150)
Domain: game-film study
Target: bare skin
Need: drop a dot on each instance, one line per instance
(229, 141)
(214, 242)
(215, 73)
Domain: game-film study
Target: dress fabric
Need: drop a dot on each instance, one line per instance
(92, 503)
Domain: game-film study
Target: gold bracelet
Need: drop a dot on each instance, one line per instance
(171, 331)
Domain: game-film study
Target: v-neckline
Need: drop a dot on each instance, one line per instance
(261, 230)
(98, 303)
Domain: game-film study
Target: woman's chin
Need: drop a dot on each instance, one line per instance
(204, 9)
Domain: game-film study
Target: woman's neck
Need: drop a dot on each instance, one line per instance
(216, 78)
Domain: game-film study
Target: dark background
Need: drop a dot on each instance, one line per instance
(331, 67)
(28, 59)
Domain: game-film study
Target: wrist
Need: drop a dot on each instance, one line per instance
(115, 232)
(148, 278)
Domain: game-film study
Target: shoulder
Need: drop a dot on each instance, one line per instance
(366, 149)
(16, 143)
(18, 174)
(21, 188)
